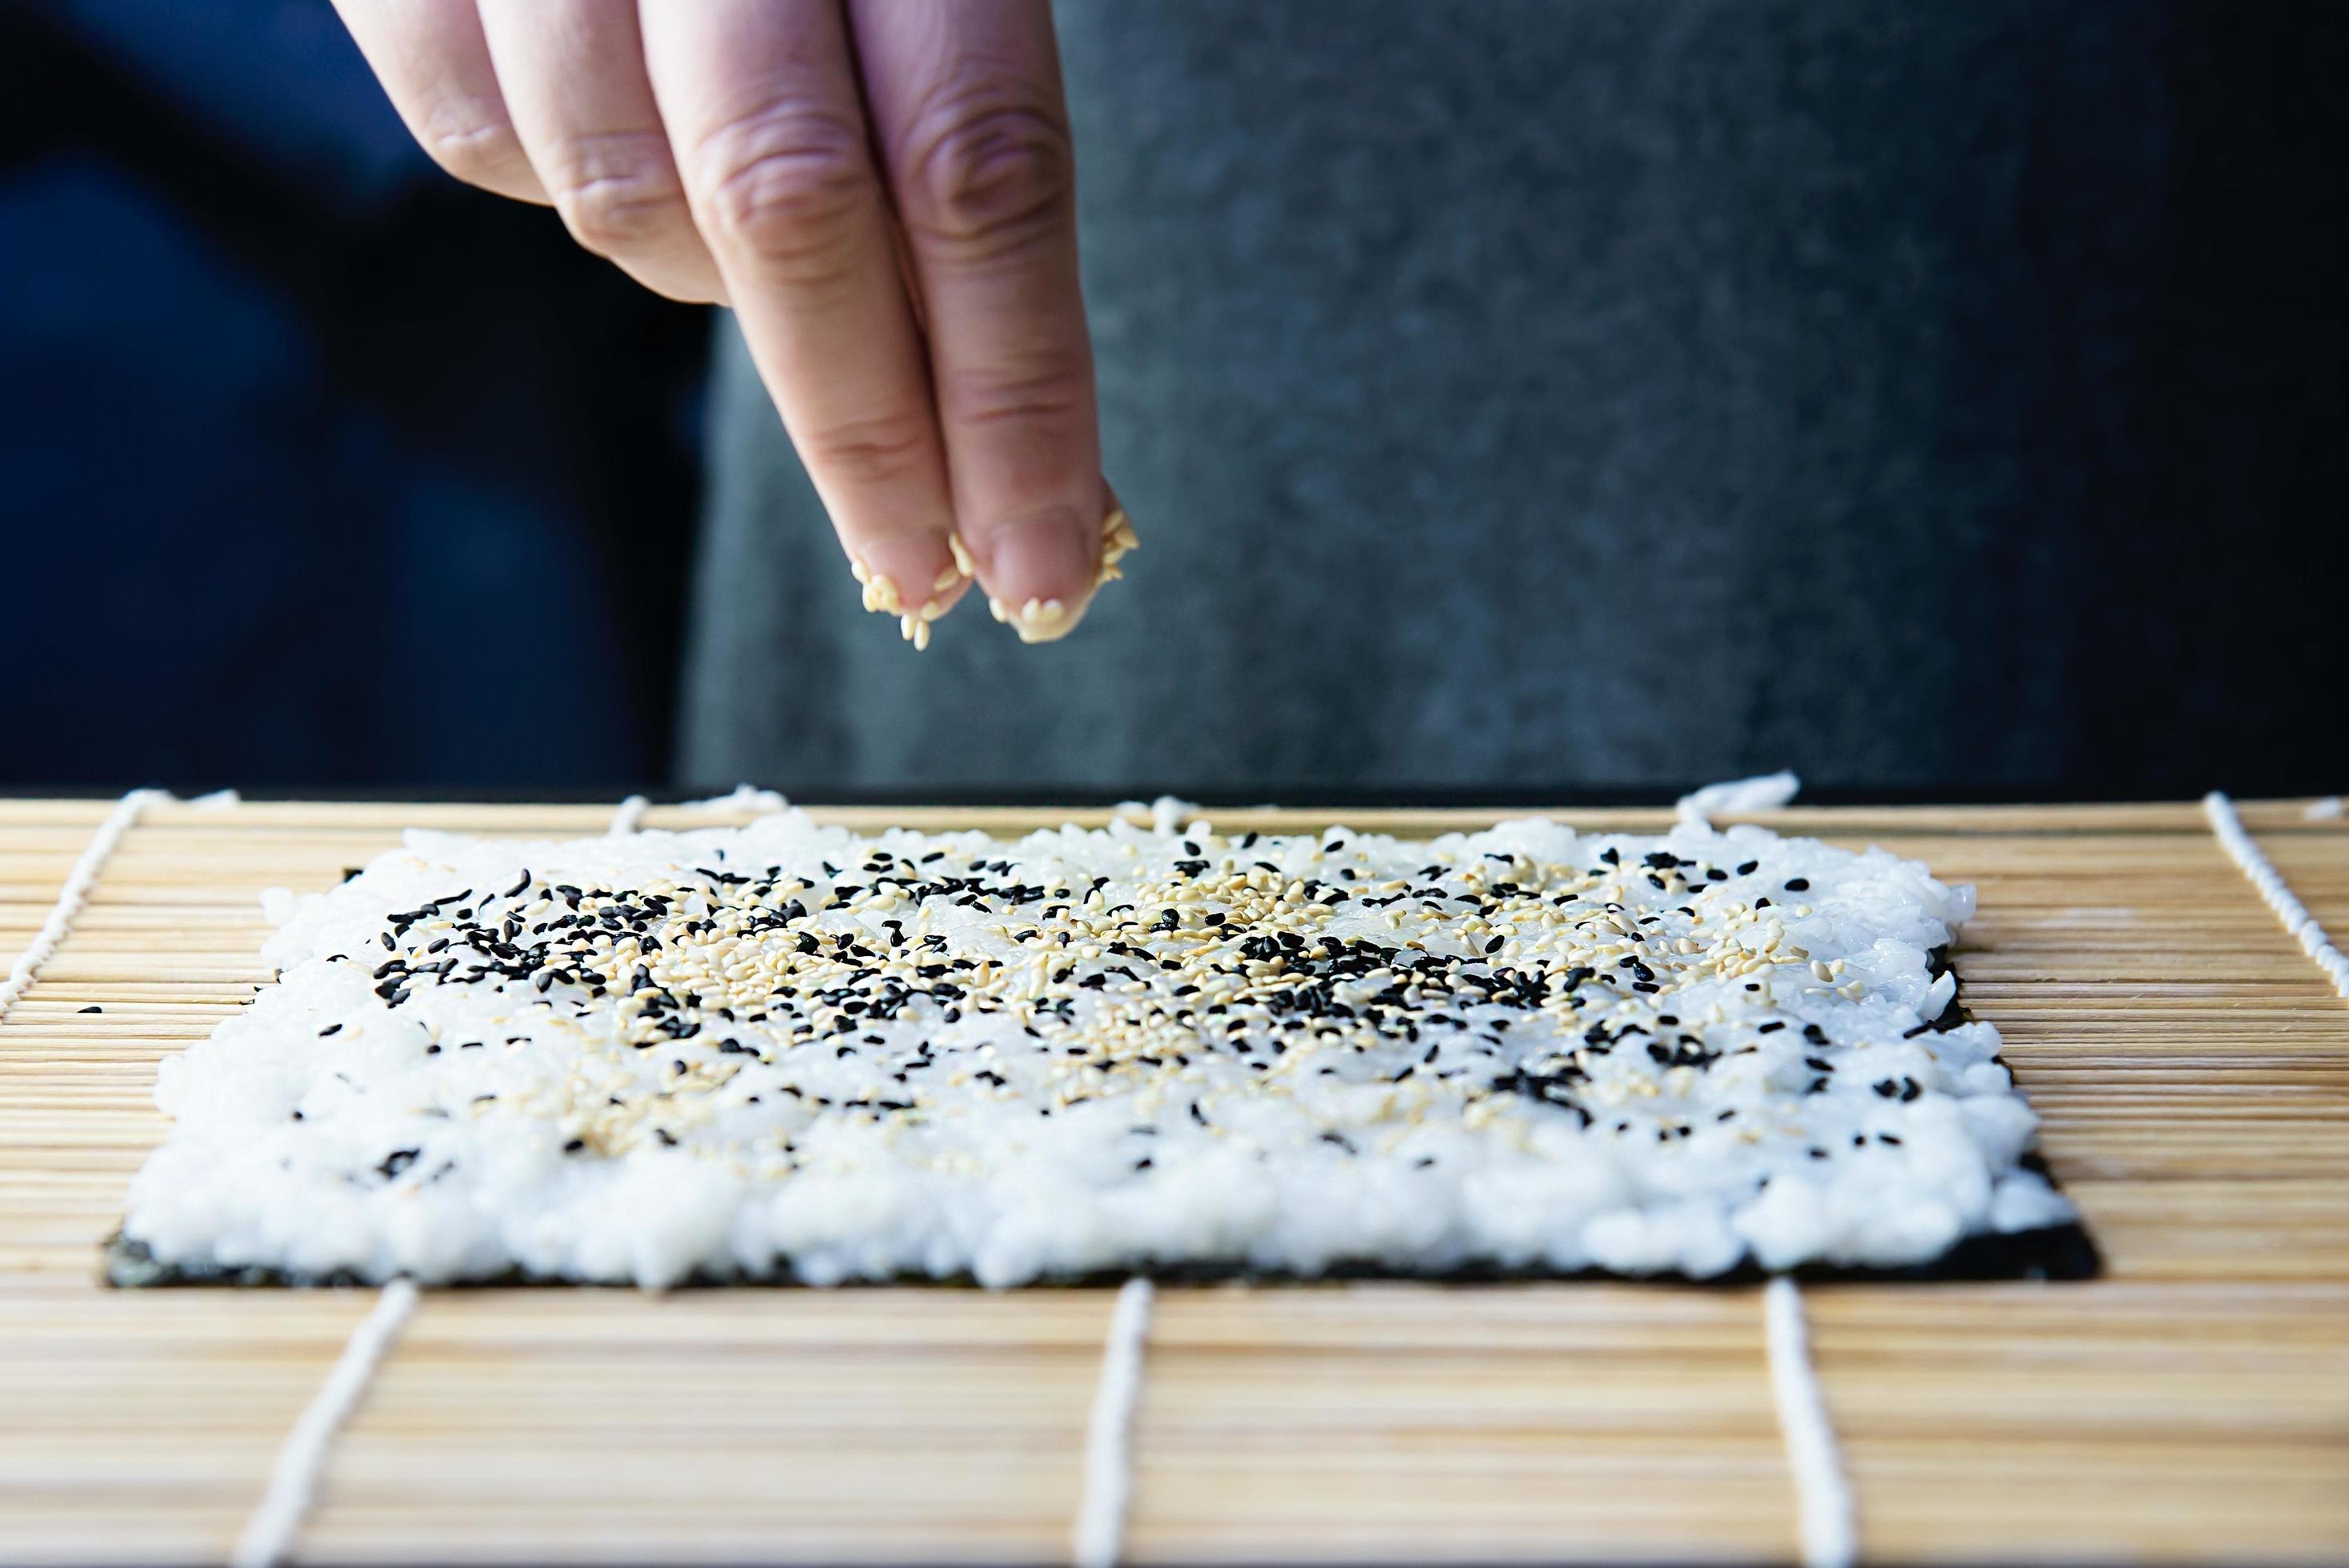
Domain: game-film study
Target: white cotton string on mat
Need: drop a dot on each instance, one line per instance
(269, 1533)
(293, 1480)
(627, 817)
(1109, 1435)
(1822, 1493)
(74, 895)
(1742, 797)
(2245, 851)
(747, 798)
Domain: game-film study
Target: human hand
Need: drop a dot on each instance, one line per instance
(883, 191)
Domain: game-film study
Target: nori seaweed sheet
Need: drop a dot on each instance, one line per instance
(2064, 1251)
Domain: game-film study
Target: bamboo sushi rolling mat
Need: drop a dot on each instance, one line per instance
(2190, 1061)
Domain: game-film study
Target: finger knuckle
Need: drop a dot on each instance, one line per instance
(988, 166)
(617, 194)
(1047, 388)
(870, 450)
(787, 187)
(477, 146)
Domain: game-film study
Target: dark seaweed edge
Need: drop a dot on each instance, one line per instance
(2064, 1251)
(2051, 1253)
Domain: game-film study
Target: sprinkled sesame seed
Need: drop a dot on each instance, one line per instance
(1500, 990)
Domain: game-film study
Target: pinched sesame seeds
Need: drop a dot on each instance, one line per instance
(1047, 620)
(1042, 620)
(1118, 540)
(881, 595)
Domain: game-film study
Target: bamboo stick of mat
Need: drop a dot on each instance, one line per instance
(2192, 1065)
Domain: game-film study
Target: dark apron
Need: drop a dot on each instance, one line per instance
(1513, 394)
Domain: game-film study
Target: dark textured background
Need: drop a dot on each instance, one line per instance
(317, 467)
(1935, 398)
(1974, 373)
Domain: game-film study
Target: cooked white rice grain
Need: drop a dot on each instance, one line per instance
(790, 1050)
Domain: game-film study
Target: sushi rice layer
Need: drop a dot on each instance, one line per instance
(791, 1052)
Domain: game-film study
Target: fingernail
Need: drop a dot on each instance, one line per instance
(1046, 557)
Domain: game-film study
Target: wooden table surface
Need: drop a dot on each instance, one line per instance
(2191, 1063)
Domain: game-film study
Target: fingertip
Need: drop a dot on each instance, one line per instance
(1040, 571)
(906, 576)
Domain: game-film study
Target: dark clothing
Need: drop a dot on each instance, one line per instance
(1943, 397)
